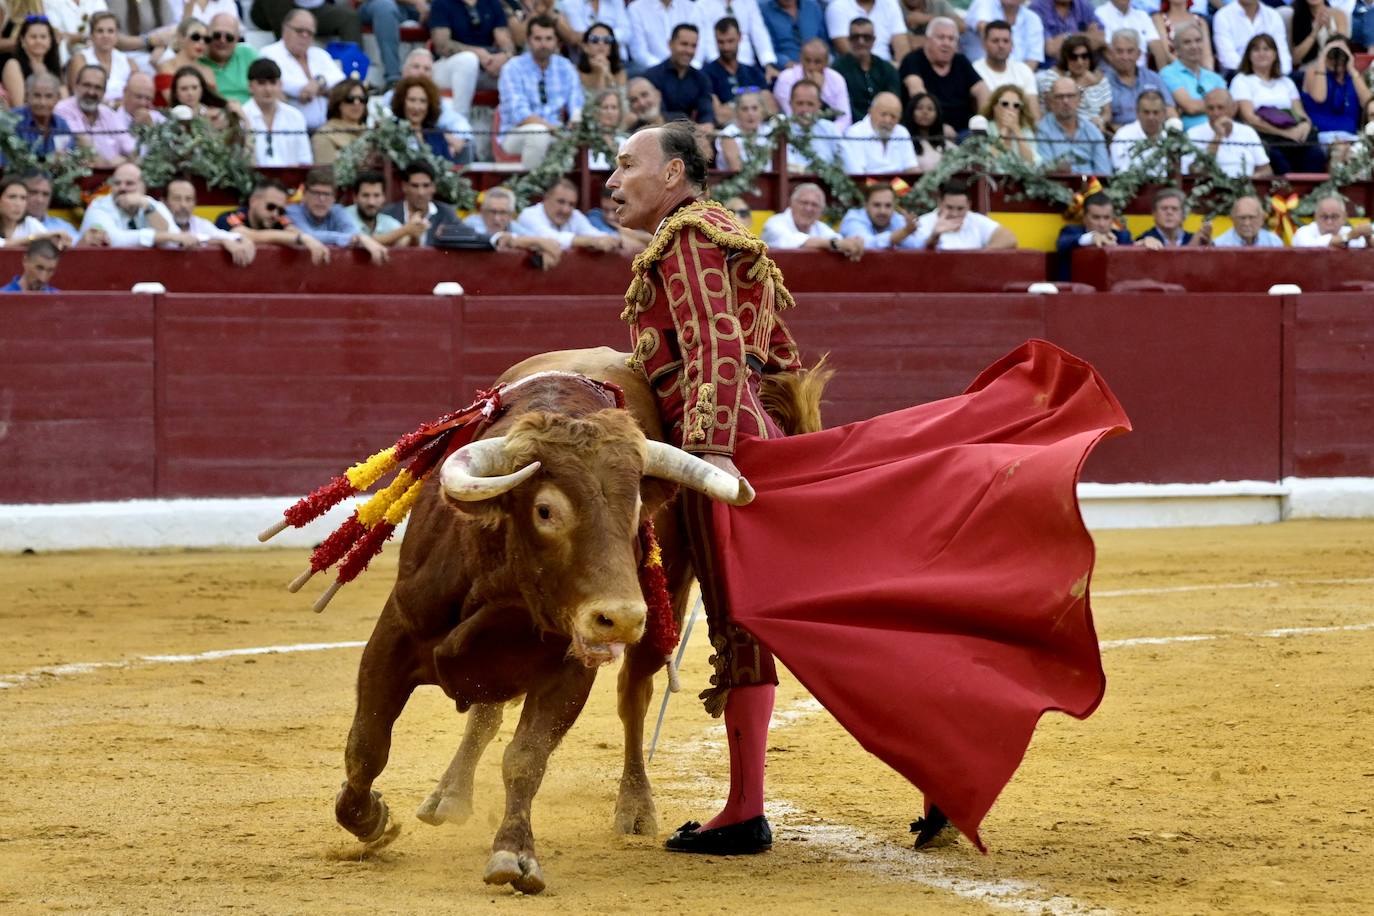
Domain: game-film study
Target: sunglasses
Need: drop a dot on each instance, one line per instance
(274, 208)
(35, 18)
(223, 36)
(1081, 55)
(355, 100)
(196, 37)
(862, 37)
(600, 39)
(1009, 104)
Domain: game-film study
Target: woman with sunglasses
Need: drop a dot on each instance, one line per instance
(1269, 102)
(347, 121)
(104, 53)
(926, 124)
(191, 89)
(599, 64)
(36, 53)
(1076, 62)
(1010, 125)
(190, 45)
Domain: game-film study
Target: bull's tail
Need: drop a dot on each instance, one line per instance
(793, 399)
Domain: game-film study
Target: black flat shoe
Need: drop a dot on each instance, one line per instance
(743, 839)
(934, 830)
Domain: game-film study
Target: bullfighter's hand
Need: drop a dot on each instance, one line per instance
(724, 462)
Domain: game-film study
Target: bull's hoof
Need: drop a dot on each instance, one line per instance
(520, 872)
(636, 816)
(354, 819)
(934, 830)
(444, 809)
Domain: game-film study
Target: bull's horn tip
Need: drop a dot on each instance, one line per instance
(276, 529)
(746, 493)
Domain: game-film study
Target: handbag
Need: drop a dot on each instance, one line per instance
(1281, 118)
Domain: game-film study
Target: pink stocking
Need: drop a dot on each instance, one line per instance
(747, 712)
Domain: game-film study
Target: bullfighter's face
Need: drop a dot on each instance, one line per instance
(640, 183)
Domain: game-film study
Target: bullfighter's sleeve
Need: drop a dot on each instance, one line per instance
(701, 298)
(783, 354)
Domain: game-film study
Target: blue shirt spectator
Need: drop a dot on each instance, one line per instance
(726, 85)
(1232, 239)
(859, 222)
(686, 92)
(1082, 15)
(1124, 97)
(17, 286)
(1085, 150)
(791, 24)
(470, 25)
(43, 140)
(1195, 85)
(553, 92)
(335, 228)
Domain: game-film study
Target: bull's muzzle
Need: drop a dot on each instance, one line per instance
(602, 629)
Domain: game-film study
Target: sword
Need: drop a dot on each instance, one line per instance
(677, 663)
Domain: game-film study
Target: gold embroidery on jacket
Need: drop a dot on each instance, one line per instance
(703, 413)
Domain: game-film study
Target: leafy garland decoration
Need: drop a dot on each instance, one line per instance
(756, 153)
(195, 147)
(1355, 169)
(561, 158)
(985, 157)
(67, 167)
(394, 141)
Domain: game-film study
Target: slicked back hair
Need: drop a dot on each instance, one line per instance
(678, 140)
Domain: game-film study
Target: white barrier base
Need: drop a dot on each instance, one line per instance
(150, 523)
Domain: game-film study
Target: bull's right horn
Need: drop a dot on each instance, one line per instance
(672, 463)
(466, 474)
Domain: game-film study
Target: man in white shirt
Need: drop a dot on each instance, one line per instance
(878, 145)
(997, 68)
(180, 200)
(557, 217)
(1236, 147)
(878, 222)
(806, 109)
(1329, 227)
(800, 226)
(1027, 31)
(954, 226)
(1150, 113)
(279, 133)
(892, 41)
(755, 43)
(307, 71)
(651, 25)
(129, 218)
(496, 218)
(1241, 20)
(1116, 15)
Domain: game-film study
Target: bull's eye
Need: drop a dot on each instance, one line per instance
(545, 513)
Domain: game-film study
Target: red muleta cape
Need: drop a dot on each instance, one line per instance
(925, 573)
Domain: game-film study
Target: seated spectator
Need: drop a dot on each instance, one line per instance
(278, 130)
(189, 88)
(1127, 79)
(17, 228)
(263, 221)
(600, 66)
(998, 69)
(736, 142)
(731, 77)
(820, 132)
(1334, 95)
(495, 213)
(865, 74)
(606, 218)
(385, 17)
(583, 14)
(1076, 64)
(1150, 114)
(1237, 22)
(1098, 230)
(39, 186)
(1247, 227)
(128, 218)
(540, 94)
(1061, 18)
(420, 62)
(1187, 80)
(136, 107)
(938, 69)
(557, 217)
(879, 222)
(1170, 209)
(345, 121)
(496, 219)
(1027, 31)
(1236, 147)
(955, 226)
(423, 216)
(891, 40)
(415, 101)
(684, 88)
(1169, 19)
(920, 13)
(791, 24)
(45, 132)
(228, 60)
(321, 216)
(94, 124)
(191, 45)
(1068, 142)
(1121, 15)
(473, 43)
(609, 111)
(651, 28)
(929, 133)
(1271, 104)
(646, 104)
(800, 226)
(38, 266)
(103, 53)
(1010, 125)
(879, 144)
(180, 200)
(35, 54)
(339, 20)
(1315, 22)
(369, 197)
(753, 47)
(1330, 227)
(815, 67)
(307, 71)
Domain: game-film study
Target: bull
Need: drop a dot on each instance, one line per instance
(518, 576)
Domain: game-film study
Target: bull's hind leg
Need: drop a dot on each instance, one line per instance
(386, 677)
(549, 712)
(451, 799)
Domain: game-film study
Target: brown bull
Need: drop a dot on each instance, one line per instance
(519, 576)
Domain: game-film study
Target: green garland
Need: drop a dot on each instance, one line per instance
(561, 158)
(1355, 169)
(195, 147)
(984, 157)
(394, 141)
(756, 153)
(67, 168)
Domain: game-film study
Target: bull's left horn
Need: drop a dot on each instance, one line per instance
(466, 473)
(672, 463)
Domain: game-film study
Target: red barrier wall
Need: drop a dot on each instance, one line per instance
(1331, 429)
(1224, 270)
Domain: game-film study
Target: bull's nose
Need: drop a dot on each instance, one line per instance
(611, 621)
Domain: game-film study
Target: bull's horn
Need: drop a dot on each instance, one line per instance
(672, 463)
(466, 474)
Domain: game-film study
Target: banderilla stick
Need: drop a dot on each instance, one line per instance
(677, 663)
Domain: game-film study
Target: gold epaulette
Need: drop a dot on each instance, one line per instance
(720, 226)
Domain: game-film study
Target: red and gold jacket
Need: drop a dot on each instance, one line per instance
(702, 309)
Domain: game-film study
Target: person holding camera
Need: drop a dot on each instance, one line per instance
(1334, 96)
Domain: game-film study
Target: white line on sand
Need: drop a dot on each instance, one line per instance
(1221, 586)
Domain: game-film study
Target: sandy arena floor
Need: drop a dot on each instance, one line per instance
(1229, 770)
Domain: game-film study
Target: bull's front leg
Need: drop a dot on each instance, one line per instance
(451, 799)
(549, 712)
(634, 807)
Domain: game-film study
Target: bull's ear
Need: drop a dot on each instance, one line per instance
(655, 493)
